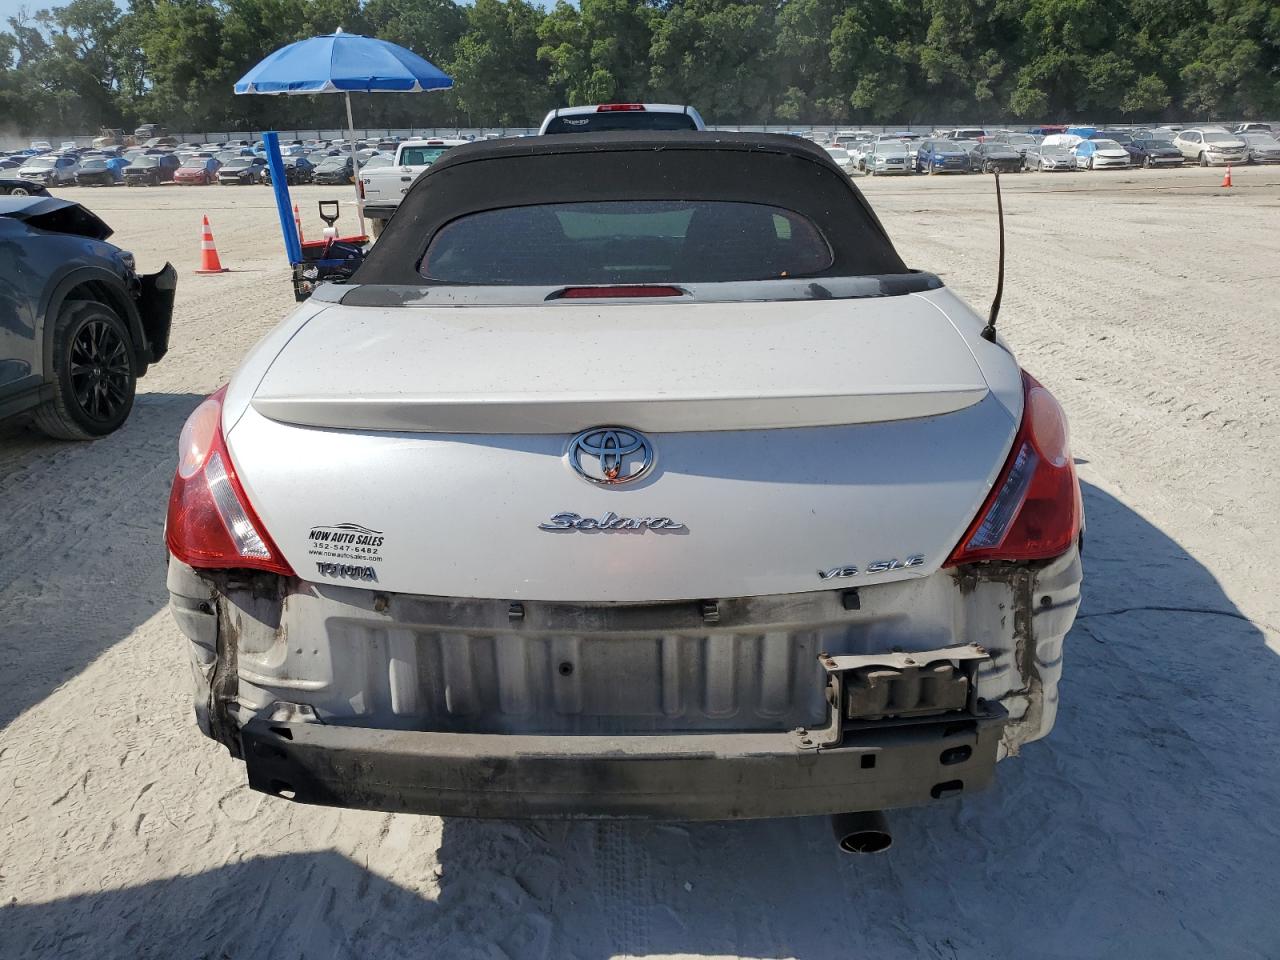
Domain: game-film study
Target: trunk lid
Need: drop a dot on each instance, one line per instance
(673, 367)
(797, 446)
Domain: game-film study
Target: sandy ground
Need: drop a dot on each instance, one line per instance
(1144, 827)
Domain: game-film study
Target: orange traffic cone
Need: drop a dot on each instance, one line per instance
(1226, 177)
(209, 262)
(297, 222)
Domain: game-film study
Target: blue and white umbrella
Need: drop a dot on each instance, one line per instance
(343, 63)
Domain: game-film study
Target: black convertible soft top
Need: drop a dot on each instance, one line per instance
(762, 168)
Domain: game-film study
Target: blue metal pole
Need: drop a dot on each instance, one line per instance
(280, 187)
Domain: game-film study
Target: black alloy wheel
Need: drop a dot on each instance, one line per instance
(101, 370)
(94, 370)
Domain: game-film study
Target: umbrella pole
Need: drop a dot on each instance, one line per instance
(355, 166)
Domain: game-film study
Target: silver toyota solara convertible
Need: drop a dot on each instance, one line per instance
(631, 475)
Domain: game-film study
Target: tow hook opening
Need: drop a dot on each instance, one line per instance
(947, 788)
(865, 831)
(955, 755)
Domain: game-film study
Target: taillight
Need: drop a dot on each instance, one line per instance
(1034, 510)
(211, 523)
(619, 107)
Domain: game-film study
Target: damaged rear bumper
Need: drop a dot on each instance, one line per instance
(685, 777)
(778, 706)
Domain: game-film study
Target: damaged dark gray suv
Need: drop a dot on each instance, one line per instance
(78, 323)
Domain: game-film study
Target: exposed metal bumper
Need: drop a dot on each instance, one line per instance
(450, 706)
(677, 777)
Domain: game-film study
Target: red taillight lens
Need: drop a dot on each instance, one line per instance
(619, 107)
(588, 293)
(1034, 511)
(211, 523)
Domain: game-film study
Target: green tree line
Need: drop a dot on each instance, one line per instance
(89, 63)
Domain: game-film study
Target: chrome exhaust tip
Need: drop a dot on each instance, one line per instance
(866, 831)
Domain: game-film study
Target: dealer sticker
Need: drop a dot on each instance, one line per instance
(346, 541)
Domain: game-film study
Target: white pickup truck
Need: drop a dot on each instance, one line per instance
(382, 187)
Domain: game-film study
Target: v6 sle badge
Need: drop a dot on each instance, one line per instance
(875, 566)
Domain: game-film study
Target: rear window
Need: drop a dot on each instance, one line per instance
(651, 241)
(620, 120)
(421, 156)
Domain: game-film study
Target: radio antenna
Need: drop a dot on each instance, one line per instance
(989, 331)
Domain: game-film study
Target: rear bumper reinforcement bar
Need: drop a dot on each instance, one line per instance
(669, 777)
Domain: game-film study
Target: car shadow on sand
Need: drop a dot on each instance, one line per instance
(81, 533)
(1143, 828)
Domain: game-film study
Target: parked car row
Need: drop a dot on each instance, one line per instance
(163, 160)
(973, 150)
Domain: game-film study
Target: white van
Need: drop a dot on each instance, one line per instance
(1066, 140)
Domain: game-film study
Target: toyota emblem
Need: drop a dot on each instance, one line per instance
(610, 455)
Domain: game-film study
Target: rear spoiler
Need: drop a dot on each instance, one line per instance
(747, 291)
